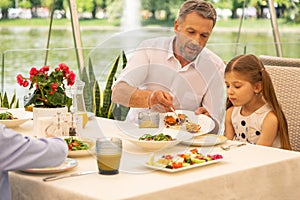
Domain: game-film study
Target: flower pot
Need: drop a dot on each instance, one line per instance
(43, 117)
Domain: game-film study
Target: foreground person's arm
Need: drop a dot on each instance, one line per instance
(19, 152)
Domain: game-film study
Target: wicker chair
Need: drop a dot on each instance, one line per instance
(280, 61)
(286, 83)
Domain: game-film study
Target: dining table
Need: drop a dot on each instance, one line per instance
(245, 172)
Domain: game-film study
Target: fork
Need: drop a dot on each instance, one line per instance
(180, 120)
(227, 148)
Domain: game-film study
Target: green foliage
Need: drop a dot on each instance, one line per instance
(49, 87)
(114, 9)
(4, 4)
(25, 4)
(6, 103)
(100, 103)
(88, 77)
(85, 5)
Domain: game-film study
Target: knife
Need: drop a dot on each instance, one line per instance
(52, 178)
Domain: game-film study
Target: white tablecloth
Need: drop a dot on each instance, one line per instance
(247, 172)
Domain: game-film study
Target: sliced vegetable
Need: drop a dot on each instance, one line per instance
(75, 144)
(6, 115)
(159, 137)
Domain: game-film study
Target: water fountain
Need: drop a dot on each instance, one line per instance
(131, 18)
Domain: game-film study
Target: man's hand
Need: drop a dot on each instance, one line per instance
(160, 101)
(202, 110)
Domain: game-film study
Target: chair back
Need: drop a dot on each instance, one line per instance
(280, 61)
(286, 81)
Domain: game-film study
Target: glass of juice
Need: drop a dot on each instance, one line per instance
(109, 152)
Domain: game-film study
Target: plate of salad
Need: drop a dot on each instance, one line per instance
(182, 161)
(162, 140)
(79, 146)
(14, 117)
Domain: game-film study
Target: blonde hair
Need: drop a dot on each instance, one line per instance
(250, 66)
(202, 8)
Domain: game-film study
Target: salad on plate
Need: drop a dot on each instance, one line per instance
(182, 161)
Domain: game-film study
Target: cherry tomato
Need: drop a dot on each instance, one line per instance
(176, 165)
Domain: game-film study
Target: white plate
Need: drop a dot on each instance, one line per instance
(205, 122)
(182, 168)
(133, 130)
(68, 164)
(206, 140)
(81, 153)
(21, 115)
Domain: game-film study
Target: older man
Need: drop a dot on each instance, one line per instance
(176, 72)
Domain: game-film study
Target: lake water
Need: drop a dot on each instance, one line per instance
(24, 47)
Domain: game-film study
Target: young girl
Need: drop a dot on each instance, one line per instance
(253, 113)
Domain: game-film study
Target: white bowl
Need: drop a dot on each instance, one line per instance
(154, 145)
(19, 113)
(159, 145)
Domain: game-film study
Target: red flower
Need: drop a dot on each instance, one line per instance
(44, 69)
(25, 83)
(20, 79)
(46, 83)
(71, 78)
(33, 71)
(54, 87)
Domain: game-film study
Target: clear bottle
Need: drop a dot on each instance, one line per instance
(78, 106)
(73, 126)
(57, 127)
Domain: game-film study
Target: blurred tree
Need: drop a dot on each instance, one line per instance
(100, 4)
(169, 6)
(114, 8)
(84, 5)
(4, 5)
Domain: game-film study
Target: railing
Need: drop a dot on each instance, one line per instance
(18, 61)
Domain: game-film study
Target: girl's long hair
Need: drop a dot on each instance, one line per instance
(254, 69)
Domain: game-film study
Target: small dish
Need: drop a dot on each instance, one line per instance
(21, 117)
(206, 140)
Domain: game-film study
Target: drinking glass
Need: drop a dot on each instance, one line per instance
(148, 119)
(109, 152)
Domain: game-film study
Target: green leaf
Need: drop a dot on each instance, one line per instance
(91, 72)
(97, 99)
(124, 60)
(107, 92)
(13, 100)
(87, 91)
(5, 103)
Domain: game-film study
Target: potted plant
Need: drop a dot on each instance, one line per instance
(49, 91)
(49, 87)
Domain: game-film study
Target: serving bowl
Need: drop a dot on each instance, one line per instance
(80, 153)
(153, 145)
(20, 115)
